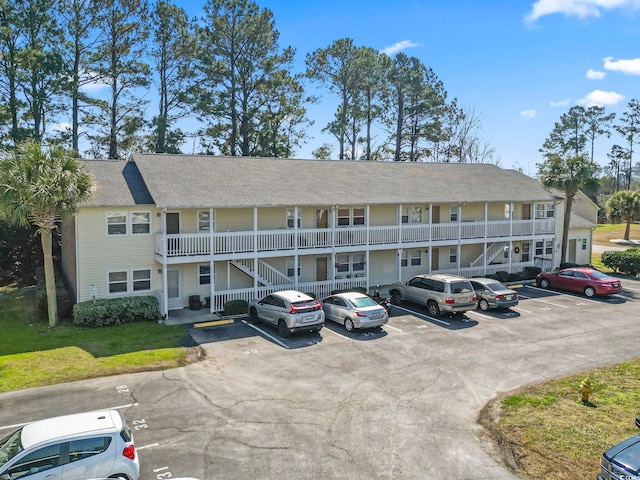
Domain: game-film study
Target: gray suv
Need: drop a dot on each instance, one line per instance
(290, 311)
(439, 293)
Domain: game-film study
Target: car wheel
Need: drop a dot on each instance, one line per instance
(544, 283)
(253, 314)
(395, 298)
(283, 330)
(433, 309)
(483, 305)
(348, 324)
(589, 291)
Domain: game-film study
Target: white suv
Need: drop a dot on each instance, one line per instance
(290, 311)
(80, 446)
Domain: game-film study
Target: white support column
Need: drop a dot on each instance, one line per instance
(165, 293)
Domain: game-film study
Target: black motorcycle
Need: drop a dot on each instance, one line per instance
(385, 302)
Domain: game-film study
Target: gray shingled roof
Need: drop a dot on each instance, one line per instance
(118, 183)
(207, 181)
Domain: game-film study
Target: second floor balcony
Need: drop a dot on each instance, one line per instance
(287, 240)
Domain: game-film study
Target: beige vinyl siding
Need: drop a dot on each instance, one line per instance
(381, 215)
(99, 253)
(234, 219)
(473, 212)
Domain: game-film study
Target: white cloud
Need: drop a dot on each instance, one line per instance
(595, 74)
(577, 8)
(528, 113)
(631, 67)
(62, 127)
(600, 98)
(396, 47)
(560, 103)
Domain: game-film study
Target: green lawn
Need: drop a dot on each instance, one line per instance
(32, 354)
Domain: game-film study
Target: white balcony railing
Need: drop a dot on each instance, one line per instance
(204, 244)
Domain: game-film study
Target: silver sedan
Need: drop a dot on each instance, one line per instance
(354, 310)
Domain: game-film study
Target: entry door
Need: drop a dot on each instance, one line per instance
(526, 211)
(572, 251)
(321, 269)
(435, 214)
(435, 259)
(173, 227)
(174, 289)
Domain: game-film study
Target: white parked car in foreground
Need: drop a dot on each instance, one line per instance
(88, 445)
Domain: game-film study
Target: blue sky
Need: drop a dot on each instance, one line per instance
(519, 64)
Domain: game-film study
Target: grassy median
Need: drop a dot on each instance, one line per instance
(545, 431)
(33, 355)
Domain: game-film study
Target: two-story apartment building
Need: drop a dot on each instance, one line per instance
(229, 228)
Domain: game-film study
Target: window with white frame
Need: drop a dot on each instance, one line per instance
(412, 214)
(291, 268)
(204, 275)
(411, 258)
(141, 280)
(544, 210)
(351, 216)
(129, 281)
(526, 251)
(123, 223)
(350, 264)
(206, 222)
(116, 223)
(506, 252)
(544, 247)
(507, 211)
(453, 255)
(140, 223)
(291, 212)
(453, 213)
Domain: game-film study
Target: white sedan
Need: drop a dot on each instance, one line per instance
(354, 310)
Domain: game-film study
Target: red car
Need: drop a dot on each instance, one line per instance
(586, 280)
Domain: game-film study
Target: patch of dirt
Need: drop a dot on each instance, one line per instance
(195, 354)
(495, 444)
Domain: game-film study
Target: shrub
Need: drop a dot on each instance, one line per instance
(116, 311)
(531, 272)
(623, 261)
(503, 276)
(568, 265)
(236, 307)
(515, 277)
(492, 276)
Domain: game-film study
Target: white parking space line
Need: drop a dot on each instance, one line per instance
(421, 315)
(151, 445)
(392, 328)
(336, 333)
(266, 334)
(518, 309)
(550, 303)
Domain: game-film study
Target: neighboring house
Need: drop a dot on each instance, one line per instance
(584, 219)
(239, 227)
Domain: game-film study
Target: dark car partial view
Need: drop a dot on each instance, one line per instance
(589, 281)
(493, 294)
(622, 461)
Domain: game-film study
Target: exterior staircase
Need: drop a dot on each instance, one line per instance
(265, 273)
(489, 254)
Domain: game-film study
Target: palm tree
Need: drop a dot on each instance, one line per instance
(567, 175)
(39, 186)
(625, 205)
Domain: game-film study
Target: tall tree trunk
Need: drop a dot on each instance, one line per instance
(565, 228)
(49, 275)
(627, 229)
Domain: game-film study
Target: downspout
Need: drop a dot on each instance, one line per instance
(77, 255)
(165, 287)
(212, 277)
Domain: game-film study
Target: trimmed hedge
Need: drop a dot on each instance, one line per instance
(236, 307)
(623, 261)
(116, 311)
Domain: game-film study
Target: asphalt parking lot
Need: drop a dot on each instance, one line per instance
(397, 402)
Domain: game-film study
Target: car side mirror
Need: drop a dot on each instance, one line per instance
(638, 422)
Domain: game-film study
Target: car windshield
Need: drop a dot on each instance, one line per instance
(461, 287)
(599, 275)
(10, 446)
(361, 302)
